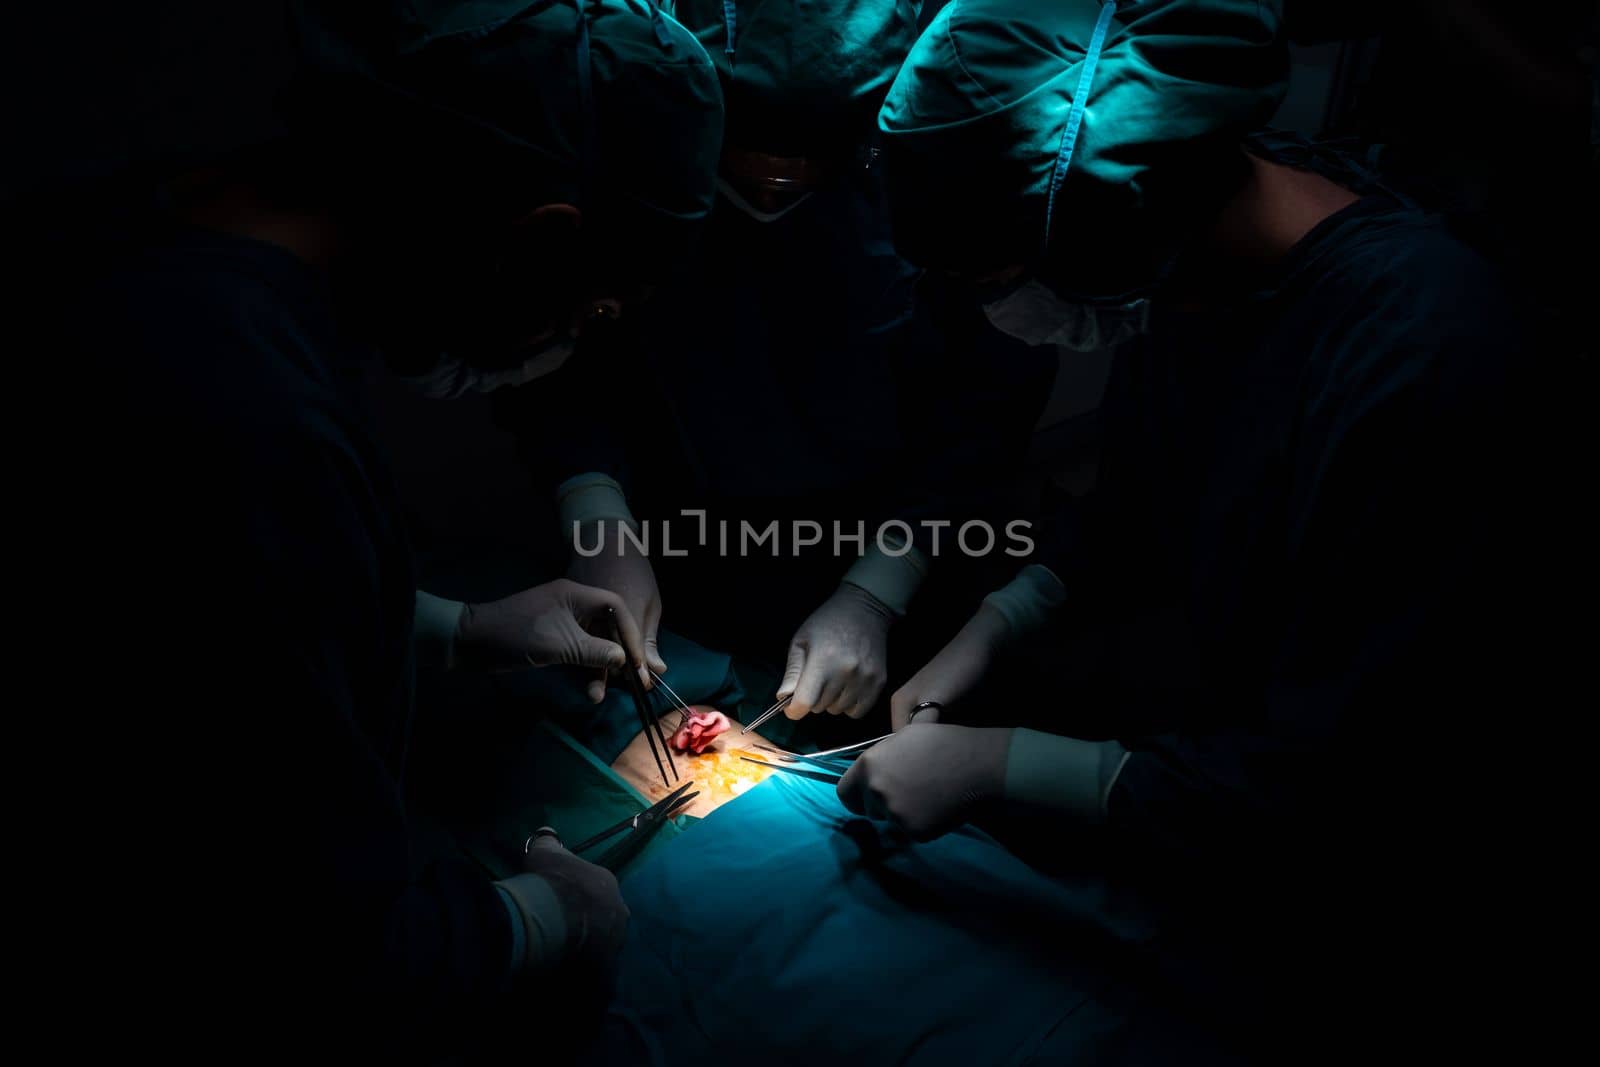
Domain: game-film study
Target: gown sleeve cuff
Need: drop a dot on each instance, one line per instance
(591, 497)
(891, 578)
(433, 629)
(1031, 598)
(519, 931)
(1062, 774)
(538, 923)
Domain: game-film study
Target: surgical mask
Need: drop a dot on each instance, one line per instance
(1036, 315)
(451, 377)
(732, 196)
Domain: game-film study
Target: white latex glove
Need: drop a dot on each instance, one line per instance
(559, 622)
(955, 671)
(573, 915)
(839, 657)
(928, 777)
(624, 570)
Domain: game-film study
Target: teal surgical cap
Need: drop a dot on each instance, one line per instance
(984, 171)
(490, 108)
(803, 77)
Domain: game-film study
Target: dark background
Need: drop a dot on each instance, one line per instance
(95, 92)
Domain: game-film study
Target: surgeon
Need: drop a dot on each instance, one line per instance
(1305, 538)
(795, 374)
(467, 187)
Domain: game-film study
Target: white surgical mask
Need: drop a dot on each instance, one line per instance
(1036, 315)
(451, 377)
(731, 194)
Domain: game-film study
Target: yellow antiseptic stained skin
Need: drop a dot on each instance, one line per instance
(718, 772)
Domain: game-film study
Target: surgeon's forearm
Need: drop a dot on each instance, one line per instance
(1047, 772)
(433, 630)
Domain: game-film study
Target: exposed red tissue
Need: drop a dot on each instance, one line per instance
(702, 728)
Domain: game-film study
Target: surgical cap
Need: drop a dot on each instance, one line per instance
(973, 126)
(803, 77)
(489, 108)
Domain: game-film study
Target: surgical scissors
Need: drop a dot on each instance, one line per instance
(647, 820)
(640, 827)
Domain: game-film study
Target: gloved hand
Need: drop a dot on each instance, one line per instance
(573, 916)
(955, 671)
(625, 571)
(928, 777)
(839, 657)
(1021, 607)
(553, 623)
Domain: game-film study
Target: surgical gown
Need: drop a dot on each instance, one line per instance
(1307, 543)
(1292, 533)
(797, 370)
(244, 746)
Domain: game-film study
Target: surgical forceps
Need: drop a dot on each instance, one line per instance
(826, 765)
(769, 713)
(683, 708)
(641, 704)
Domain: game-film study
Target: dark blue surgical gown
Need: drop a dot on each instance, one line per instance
(794, 370)
(1314, 527)
(239, 748)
